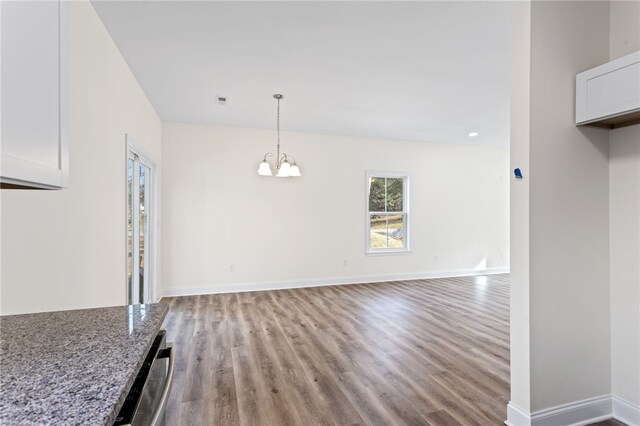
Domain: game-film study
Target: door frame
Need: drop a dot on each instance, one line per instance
(152, 270)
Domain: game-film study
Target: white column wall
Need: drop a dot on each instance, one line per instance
(624, 210)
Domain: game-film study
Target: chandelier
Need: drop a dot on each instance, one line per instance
(282, 165)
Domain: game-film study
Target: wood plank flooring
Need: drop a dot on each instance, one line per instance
(424, 352)
(610, 422)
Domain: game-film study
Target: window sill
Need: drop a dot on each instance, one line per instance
(387, 252)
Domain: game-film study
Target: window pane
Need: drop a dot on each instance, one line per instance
(129, 224)
(376, 194)
(394, 195)
(395, 231)
(378, 237)
(143, 220)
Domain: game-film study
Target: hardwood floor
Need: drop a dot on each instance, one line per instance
(425, 352)
(610, 422)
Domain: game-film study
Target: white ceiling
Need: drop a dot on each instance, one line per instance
(427, 71)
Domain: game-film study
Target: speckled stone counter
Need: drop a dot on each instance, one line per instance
(72, 367)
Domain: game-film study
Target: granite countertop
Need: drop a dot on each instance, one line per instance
(72, 367)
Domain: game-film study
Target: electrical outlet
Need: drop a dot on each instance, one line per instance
(436, 258)
(344, 262)
(232, 267)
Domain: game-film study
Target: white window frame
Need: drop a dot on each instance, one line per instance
(132, 149)
(406, 178)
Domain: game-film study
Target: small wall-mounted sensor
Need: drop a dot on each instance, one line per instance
(517, 173)
(222, 100)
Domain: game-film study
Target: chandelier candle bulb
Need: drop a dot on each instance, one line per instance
(282, 166)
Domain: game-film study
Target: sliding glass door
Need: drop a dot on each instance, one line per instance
(139, 229)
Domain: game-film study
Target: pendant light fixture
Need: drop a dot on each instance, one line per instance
(282, 165)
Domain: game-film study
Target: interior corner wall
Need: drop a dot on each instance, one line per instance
(227, 229)
(66, 249)
(624, 211)
(569, 215)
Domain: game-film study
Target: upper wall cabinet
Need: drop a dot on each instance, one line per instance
(609, 95)
(34, 145)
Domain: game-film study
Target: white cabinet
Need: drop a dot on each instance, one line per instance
(34, 93)
(609, 95)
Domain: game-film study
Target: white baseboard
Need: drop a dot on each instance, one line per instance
(516, 416)
(625, 411)
(286, 284)
(577, 413)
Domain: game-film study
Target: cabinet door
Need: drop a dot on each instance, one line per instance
(34, 93)
(608, 91)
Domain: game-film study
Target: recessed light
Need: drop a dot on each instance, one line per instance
(473, 134)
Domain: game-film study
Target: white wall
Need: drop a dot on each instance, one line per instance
(217, 211)
(566, 274)
(569, 215)
(624, 211)
(520, 63)
(625, 262)
(66, 249)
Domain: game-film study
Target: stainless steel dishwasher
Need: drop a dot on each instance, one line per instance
(145, 403)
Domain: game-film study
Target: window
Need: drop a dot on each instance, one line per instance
(140, 226)
(387, 212)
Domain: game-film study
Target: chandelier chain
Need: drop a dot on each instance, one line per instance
(278, 123)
